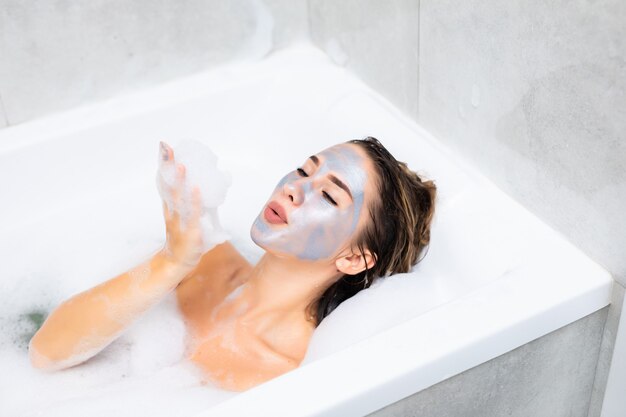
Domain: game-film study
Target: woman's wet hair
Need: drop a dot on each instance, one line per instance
(398, 232)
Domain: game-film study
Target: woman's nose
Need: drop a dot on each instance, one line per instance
(294, 191)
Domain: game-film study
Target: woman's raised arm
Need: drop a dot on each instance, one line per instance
(86, 323)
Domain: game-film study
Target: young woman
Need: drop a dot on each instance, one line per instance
(347, 216)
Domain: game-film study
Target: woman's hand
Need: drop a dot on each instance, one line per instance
(184, 245)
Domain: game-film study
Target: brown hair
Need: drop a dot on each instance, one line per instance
(398, 230)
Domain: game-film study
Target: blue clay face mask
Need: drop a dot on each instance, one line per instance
(322, 202)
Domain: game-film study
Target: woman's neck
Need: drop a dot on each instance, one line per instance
(278, 288)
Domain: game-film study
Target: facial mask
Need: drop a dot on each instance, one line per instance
(316, 228)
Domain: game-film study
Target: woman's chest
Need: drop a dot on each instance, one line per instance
(233, 355)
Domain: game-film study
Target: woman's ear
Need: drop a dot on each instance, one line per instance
(355, 263)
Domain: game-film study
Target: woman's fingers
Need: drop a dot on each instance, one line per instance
(180, 171)
(178, 201)
(182, 208)
(166, 158)
(179, 184)
(196, 208)
(166, 176)
(166, 151)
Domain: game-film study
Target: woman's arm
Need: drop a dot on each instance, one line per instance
(86, 323)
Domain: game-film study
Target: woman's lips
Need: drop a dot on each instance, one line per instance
(275, 214)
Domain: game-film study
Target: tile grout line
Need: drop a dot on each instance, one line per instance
(309, 21)
(419, 31)
(595, 371)
(597, 396)
(3, 111)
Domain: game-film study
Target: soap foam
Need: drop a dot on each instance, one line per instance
(200, 171)
(143, 372)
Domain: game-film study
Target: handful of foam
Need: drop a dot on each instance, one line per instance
(201, 171)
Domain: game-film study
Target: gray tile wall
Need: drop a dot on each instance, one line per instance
(548, 377)
(375, 39)
(291, 21)
(535, 94)
(615, 315)
(3, 117)
(58, 54)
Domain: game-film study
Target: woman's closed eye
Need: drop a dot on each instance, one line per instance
(327, 196)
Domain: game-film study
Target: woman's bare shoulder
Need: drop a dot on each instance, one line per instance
(223, 261)
(219, 271)
(224, 255)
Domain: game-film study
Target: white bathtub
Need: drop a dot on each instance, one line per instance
(79, 200)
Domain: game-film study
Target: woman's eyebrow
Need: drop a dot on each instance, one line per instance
(331, 177)
(340, 184)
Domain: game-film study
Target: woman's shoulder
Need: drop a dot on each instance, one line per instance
(223, 262)
(224, 257)
(219, 271)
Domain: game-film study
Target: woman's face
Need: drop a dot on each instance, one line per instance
(316, 209)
